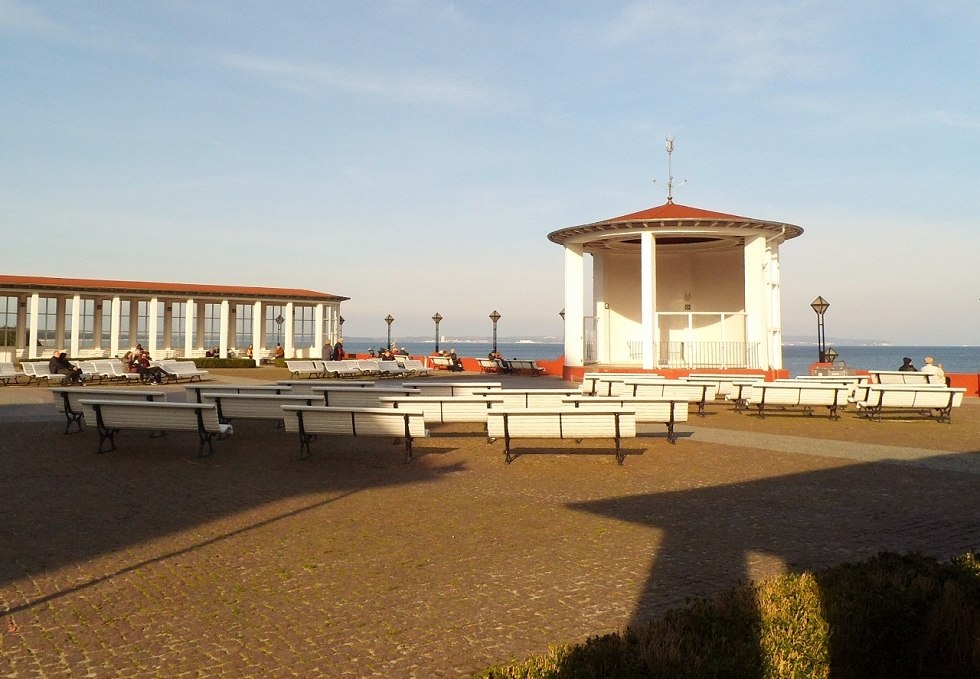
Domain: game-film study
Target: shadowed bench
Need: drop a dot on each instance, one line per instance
(68, 400)
(157, 416)
(311, 421)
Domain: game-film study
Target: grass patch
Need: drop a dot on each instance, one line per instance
(892, 616)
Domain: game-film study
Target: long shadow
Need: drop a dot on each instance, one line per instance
(62, 503)
(711, 536)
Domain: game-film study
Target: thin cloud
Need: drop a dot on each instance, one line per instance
(960, 121)
(312, 77)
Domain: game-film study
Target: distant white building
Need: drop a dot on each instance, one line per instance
(673, 287)
(88, 318)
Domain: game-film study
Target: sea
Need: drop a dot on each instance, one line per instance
(797, 358)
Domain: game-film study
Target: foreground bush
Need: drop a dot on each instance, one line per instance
(893, 616)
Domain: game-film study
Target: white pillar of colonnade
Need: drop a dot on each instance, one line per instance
(756, 298)
(33, 312)
(648, 298)
(574, 304)
(287, 340)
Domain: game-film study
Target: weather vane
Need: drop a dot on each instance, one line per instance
(670, 171)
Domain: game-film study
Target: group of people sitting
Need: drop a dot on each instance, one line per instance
(138, 361)
(930, 368)
(60, 365)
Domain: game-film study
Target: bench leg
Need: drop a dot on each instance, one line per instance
(205, 443)
(74, 418)
(620, 455)
(508, 458)
(107, 435)
(671, 436)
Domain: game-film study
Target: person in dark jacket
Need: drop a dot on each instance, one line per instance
(338, 350)
(907, 365)
(60, 365)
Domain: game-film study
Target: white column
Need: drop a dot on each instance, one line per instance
(151, 327)
(756, 294)
(97, 339)
(134, 323)
(775, 309)
(223, 331)
(601, 308)
(190, 329)
(317, 329)
(199, 326)
(648, 298)
(168, 327)
(32, 332)
(76, 331)
(59, 323)
(114, 326)
(258, 329)
(287, 340)
(21, 340)
(574, 305)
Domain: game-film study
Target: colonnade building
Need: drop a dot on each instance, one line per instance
(674, 287)
(95, 318)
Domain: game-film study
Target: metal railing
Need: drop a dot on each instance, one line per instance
(699, 354)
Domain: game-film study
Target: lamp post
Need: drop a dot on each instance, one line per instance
(562, 314)
(494, 317)
(820, 306)
(436, 318)
(279, 321)
(830, 354)
(389, 320)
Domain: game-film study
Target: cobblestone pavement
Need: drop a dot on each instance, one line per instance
(151, 562)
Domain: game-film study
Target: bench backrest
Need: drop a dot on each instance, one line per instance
(441, 360)
(901, 377)
(7, 369)
(355, 421)
(358, 397)
(566, 423)
(444, 409)
(156, 415)
(74, 396)
(253, 406)
(913, 396)
(444, 388)
(194, 391)
(528, 398)
(690, 391)
(807, 394)
(647, 409)
(302, 366)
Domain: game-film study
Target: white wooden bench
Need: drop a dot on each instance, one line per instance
(415, 365)
(902, 377)
(304, 368)
(698, 393)
(311, 421)
(724, 382)
(255, 406)
(307, 386)
(739, 394)
(358, 397)
(805, 395)
(157, 416)
(444, 409)
(604, 384)
(9, 373)
(67, 400)
(445, 388)
(340, 368)
(115, 370)
(38, 370)
(440, 362)
(488, 365)
(519, 366)
(653, 410)
(928, 400)
(563, 423)
(182, 370)
(193, 391)
(529, 398)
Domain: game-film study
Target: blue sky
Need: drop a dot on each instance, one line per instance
(413, 155)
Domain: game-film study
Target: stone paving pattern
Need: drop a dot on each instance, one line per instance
(151, 562)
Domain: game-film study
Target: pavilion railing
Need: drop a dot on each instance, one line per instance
(721, 355)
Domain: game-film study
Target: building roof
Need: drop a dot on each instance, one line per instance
(90, 285)
(672, 217)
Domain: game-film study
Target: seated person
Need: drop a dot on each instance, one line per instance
(387, 355)
(60, 365)
(937, 372)
(249, 352)
(455, 365)
(148, 373)
(338, 351)
(278, 352)
(907, 365)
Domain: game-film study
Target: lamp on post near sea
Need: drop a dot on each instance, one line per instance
(820, 306)
(341, 323)
(389, 320)
(494, 316)
(436, 318)
(279, 321)
(830, 354)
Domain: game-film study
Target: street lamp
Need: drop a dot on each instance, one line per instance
(436, 318)
(389, 320)
(562, 314)
(830, 354)
(494, 317)
(279, 321)
(820, 306)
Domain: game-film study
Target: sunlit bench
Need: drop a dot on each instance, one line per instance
(307, 386)
(38, 370)
(304, 368)
(182, 370)
(255, 406)
(902, 377)
(358, 397)
(649, 410)
(113, 416)
(8, 373)
(340, 368)
(445, 409)
(613, 384)
(561, 423)
(488, 365)
(698, 393)
(520, 366)
(193, 391)
(529, 398)
(440, 362)
(804, 395)
(312, 421)
(931, 401)
(414, 365)
(67, 400)
(445, 388)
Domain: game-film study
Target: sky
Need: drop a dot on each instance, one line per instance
(413, 155)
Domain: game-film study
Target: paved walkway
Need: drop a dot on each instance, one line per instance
(150, 562)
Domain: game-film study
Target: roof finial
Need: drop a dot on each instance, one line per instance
(670, 172)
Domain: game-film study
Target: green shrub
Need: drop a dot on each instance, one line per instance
(892, 616)
(224, 362)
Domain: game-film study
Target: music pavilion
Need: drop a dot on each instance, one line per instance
(674, 287)
(92, 318)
